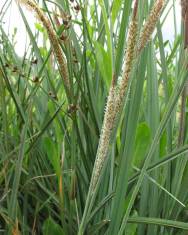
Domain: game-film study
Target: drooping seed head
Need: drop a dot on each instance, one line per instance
(52, 37)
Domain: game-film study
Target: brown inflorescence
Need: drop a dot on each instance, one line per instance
(150, 24)
(53, 39)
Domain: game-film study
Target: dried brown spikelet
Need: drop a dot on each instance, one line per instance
(77, 7)
(75, 61)
(72, 108)
(34, 61)
(15, 69)
(63, 37)
(56, 19)
(52, 95)
(65, 22)
(150, 24)
(35, 79)
(66, 18)
(53, 39)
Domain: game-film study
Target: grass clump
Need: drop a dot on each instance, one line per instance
(90, 134)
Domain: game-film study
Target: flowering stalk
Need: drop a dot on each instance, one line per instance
(115, 101)
(108, 124)
(52, 37)
(142, 42)
(117, 94)
(150, 24)
(128, 61)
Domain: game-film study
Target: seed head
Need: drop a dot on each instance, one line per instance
(150, 24)
(108, 124)
(52, 37)
(128, 60)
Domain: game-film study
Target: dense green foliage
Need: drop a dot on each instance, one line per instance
(48, 142)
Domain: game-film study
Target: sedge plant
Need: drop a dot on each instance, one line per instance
(91, 119)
